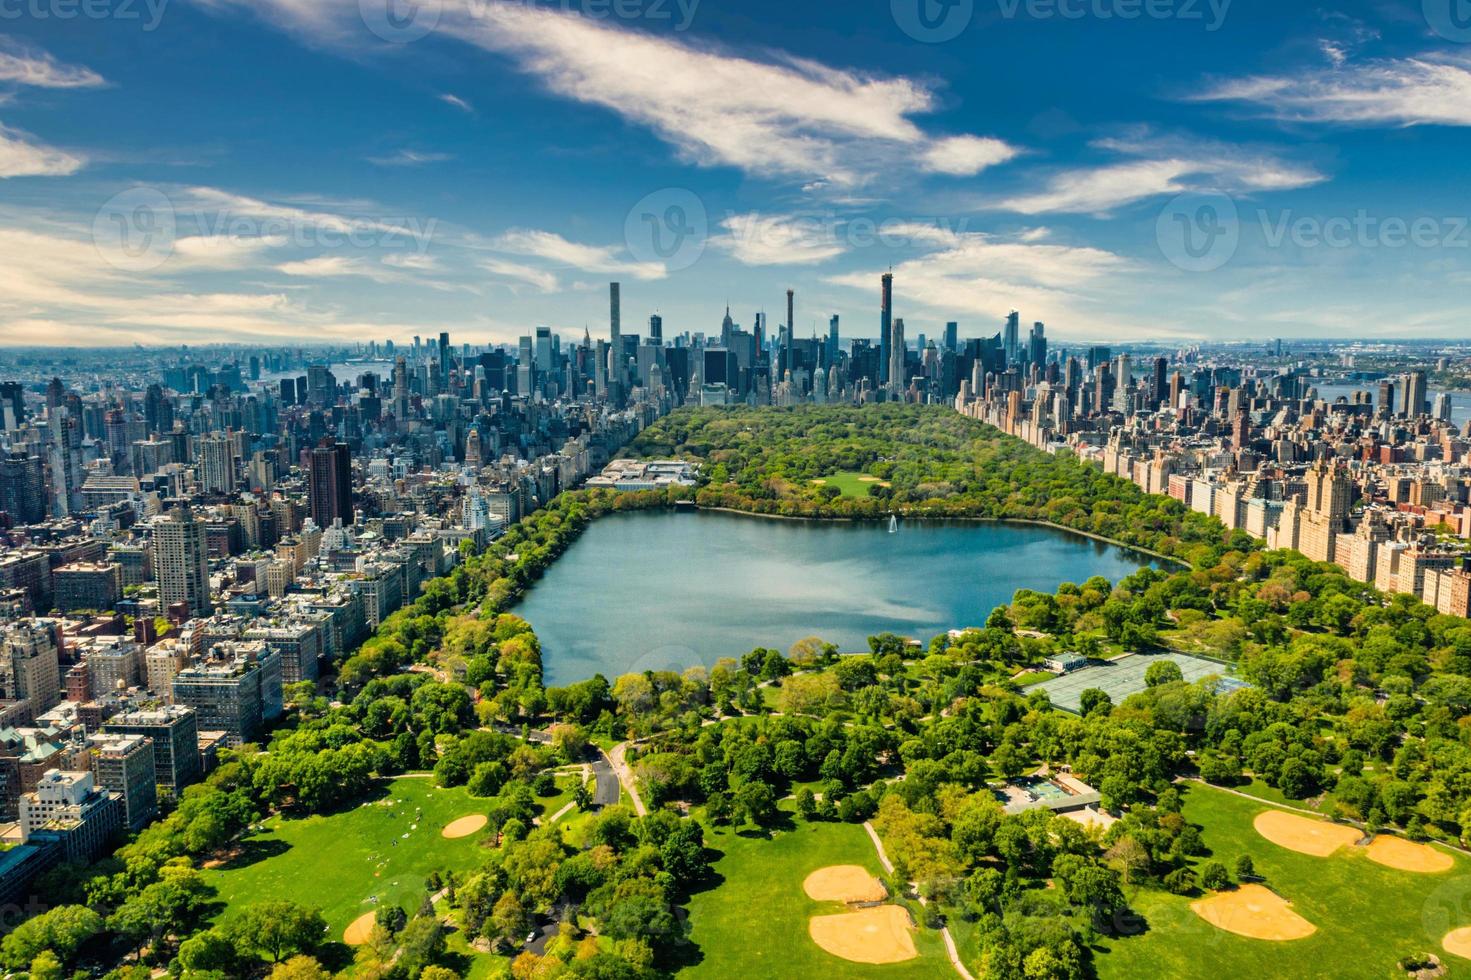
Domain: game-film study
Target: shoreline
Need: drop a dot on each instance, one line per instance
(1158, 556)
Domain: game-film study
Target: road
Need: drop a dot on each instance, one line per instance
(605, 793)
(625, 776)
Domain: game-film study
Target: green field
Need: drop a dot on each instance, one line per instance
(1367, 915)
(338, 861)
(755, 923)
(850, 484)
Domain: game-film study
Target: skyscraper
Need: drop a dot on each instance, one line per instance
(181, 561)
(952, 336)
(216, 467)
(1415, 401)
(1011, 342)
(791, 332)
(330, 477)
(23, 488)
(896, 355)
(656, 330)
(886, 318)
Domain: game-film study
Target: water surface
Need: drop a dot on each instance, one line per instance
(659, 590)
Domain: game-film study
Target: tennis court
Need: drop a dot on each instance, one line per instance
(1120, 678)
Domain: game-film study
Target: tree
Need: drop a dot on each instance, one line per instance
(756, 803)
(509, 919)
(46, 966)
(207, 952)
(278, 929)
(420, 944)
(1163, 672)
(61, 930)
(1094, 700)
(1245, 868)
(806, 804)
(392, 918)
(300, 968)
(683, 853)
(1214, 876)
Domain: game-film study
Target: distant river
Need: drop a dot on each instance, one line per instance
(659, 590)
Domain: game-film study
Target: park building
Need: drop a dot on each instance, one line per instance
(174, 732)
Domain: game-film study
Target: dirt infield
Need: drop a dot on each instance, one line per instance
(465, 826)
(882, 934)
(1254, 912)
(1303, 834)
(844, 883)
(357, 932)
(1406, 855)
(1457, 942)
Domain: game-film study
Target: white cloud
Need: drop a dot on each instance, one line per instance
(457, 102)
(409, 158)
(1432, 89)
(773, 116)
(965, 156)
(539, 279)
(763, 239)
(585, 258)
(19, 66)
(1164, 166)
(20, 157)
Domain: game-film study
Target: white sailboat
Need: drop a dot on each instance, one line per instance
(893, 524)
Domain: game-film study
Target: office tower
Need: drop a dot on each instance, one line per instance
(886, 318)
(444, 357)
(181, 562)
(1157, 383)
(330, 479)
(1037, 345)
(833, 342)
(1097, 356)
(23, 488)
(896, 355)
(656, 330)
(216, 466)
(1443, 406)
(158, 411)
(952, 336)
(1415, 400)
(1386, 397)
(1012, 338)
(174, 731)
(727, 325)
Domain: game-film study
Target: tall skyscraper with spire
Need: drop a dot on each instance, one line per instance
(791, 333)
(886, 324)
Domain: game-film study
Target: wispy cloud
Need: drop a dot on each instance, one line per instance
(22, 156)
(584, 258)
(540, 279)
(1160, 166)
(459, 103)
(772, 115)
(1432, 89)
(25, 66)
(409, 158)
(764, 239)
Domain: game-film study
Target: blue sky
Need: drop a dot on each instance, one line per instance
(195, 170)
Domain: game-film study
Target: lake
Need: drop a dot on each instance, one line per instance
(660, 591)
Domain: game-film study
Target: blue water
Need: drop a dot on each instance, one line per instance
(661, 591)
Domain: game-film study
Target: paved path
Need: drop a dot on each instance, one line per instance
(888, 866)
(605, 792)
(625, 776)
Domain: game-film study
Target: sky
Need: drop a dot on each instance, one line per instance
(192, 171)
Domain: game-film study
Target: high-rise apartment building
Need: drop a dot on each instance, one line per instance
(181, 562)
(330, 479)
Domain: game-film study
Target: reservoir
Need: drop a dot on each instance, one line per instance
(663, 591)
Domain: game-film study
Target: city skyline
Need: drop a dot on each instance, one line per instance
(206, 171)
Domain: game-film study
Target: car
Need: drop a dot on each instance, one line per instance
(531, 937)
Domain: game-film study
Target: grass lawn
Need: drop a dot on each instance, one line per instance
(337, 861)
(850, 484)
(755, 923)
(1367, 915)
